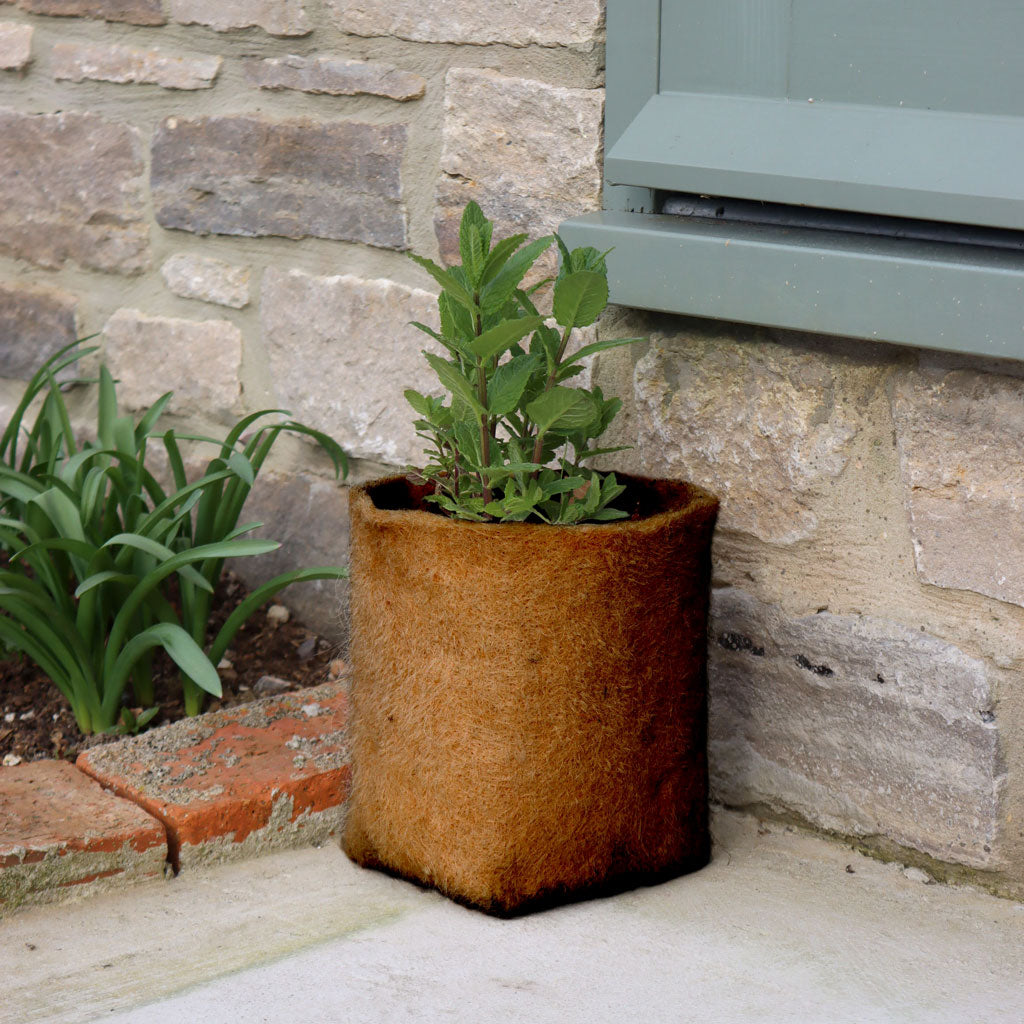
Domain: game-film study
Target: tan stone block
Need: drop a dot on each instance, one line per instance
(575, 23)
(71, 190)
(859, 725)
(278, 17)
(15, 45)
(251, 176)
(208, 279)
(757, 423)
(529, 153)
(199, 361)
(342, 354)
(335, 77)
(34, 324)
(960, 437)
(135, 12)
(101, 62)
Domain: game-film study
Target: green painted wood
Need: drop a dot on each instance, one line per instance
(902, 162)
(932, 295)
(634, 37)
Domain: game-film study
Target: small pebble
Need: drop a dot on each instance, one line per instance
(307, 649)
(10, 760)
(224, 665)
(917, 875)
(28, 716)
(337, 668)
(9, 717)
(278, 615)
(311, 710)
(267, 686)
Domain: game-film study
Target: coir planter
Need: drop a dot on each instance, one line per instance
(529, 701)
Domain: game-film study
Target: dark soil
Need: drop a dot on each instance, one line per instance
(36, 720)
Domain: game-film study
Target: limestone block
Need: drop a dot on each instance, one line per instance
(251, 176)
(342, 354)
(757, 423)
(529, 153)
(102, 62)
(34, 323)
(575, 23)
(858, 725)
(335, 77)
(278, 17)
(960, 436)
(71, 190)
(15, 45)
(135, 12)
(199, 361)
(208, 279)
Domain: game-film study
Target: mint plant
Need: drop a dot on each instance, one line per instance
(508, 442)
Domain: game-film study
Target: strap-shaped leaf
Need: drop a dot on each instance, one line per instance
(580, 298)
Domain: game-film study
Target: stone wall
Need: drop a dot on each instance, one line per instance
(226, 191)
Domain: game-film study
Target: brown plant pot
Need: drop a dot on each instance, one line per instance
(529, 702)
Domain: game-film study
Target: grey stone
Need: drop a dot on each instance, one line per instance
(757, 423)
(15, 45)
(105, 62)
(135, 12)
(250, 176)
(861, 726)
(270, 686)
(528, 152)
(278, 17)
(335, 77)
(342, 353)
(308, 515)
(575, 23)
(34, 323)
(71, 190)
(199, 361)
(208, 279)
(960, 436)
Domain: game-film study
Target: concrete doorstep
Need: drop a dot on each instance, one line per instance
(781, 928)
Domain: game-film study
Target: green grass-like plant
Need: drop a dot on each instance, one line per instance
(104, 565)
(509, 413)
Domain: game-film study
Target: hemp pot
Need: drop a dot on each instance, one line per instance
(529, 702)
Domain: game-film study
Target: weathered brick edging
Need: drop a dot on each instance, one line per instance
(225, 785)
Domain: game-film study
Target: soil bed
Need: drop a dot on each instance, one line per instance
(41, 722)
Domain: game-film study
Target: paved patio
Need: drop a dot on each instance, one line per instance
(781, 927)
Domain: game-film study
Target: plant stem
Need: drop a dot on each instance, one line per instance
(485, 425)
(538, 445)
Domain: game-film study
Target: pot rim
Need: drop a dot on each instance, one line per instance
(693, 502)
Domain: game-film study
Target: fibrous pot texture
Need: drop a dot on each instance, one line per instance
(529, 701)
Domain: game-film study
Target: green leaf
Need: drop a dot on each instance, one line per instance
(62, 512)
(185, 652)
(474, 241)
(448, 281)
(499, 257)
(502, 337)
(509, 382)
(598, 346)
(561, 409)
(503, 287)
(452, 379)
(580, 298)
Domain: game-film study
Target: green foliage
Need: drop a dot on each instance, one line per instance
(509, 415)
(104, 565)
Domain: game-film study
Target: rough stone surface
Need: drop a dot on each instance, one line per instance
(529, 153)
(135, 12)
(15, 45)
(103, 62)
(308, 515)
(576, 23)
(335, 77)
(342, 354)
(71, 189)
(233, 783)
(61, 835)
(278, 17)
(34, 323)
(960, 435)
(208, 279)
(150, 355)
(251, 176)
(757, 423)
(858, 725)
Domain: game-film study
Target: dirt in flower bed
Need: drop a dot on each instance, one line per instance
(36, 721)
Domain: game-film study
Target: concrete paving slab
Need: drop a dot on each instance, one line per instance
(776, 929)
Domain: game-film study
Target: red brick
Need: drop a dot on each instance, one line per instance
(59, 830)
(233, 783)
